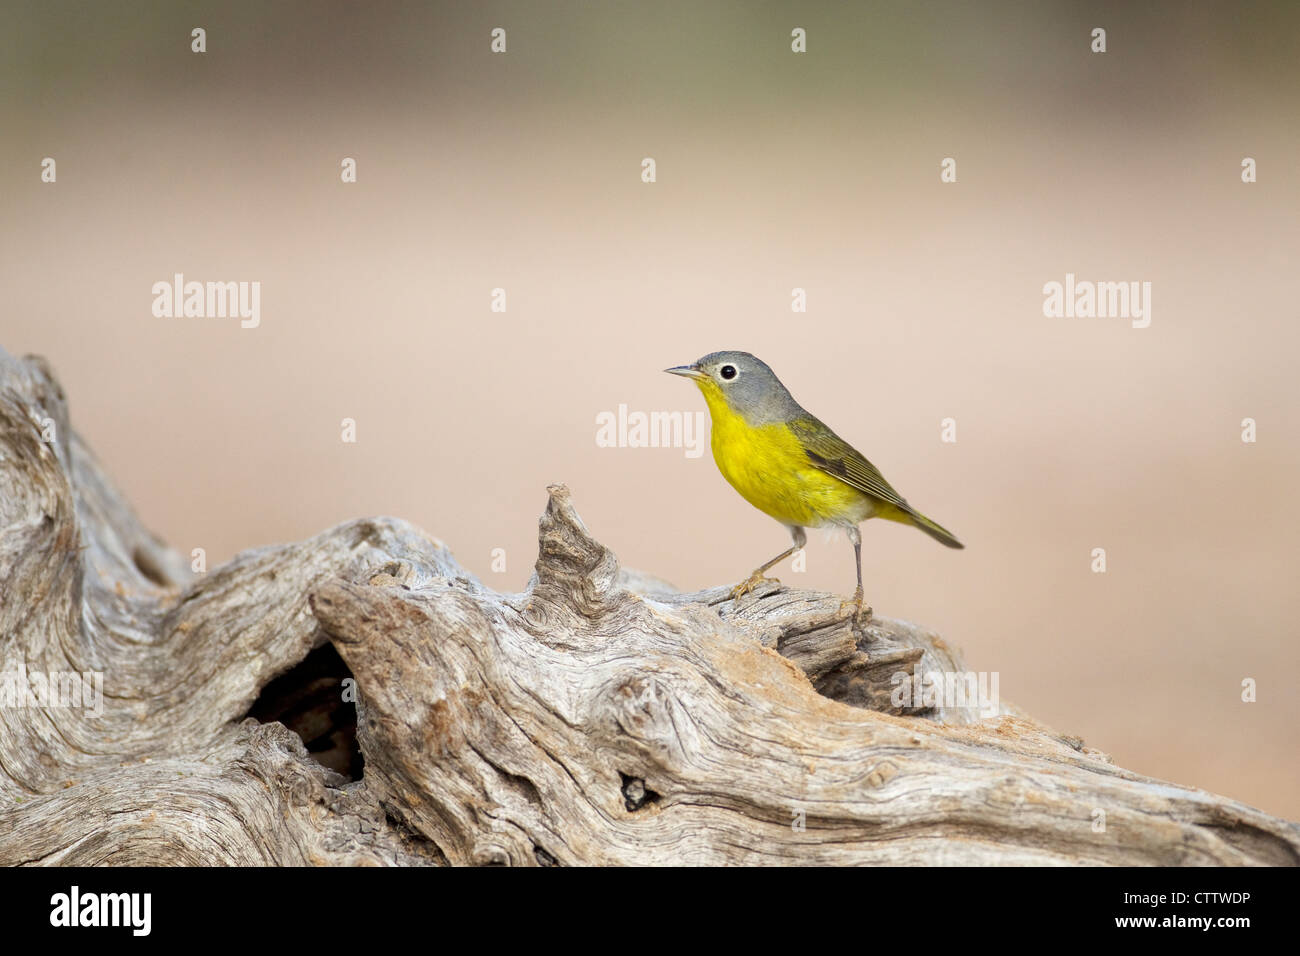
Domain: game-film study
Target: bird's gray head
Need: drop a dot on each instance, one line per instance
(744, 383)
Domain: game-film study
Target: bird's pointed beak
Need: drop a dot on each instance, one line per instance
(690, 371)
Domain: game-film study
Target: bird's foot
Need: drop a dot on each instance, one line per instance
(753, 581)
(853, 608)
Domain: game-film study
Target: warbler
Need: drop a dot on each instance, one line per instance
(789, 465)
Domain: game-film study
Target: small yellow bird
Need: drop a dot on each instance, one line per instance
(787, 464)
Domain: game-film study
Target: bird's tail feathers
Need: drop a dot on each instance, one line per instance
(934, 529)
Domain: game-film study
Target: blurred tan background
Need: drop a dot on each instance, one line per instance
(775, 170)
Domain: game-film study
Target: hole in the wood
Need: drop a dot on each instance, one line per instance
(635, 793)
(147, 566)
(543, 858)
(309, 701)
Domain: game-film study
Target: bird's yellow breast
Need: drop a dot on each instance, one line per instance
(769, 467)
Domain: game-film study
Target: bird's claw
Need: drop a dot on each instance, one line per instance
(856, 610)
(753, 581)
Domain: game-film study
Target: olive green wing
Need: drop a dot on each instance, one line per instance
(832, 454)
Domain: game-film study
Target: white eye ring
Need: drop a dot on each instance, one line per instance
(722, 372)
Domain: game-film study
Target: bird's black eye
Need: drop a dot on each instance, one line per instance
(728, 372)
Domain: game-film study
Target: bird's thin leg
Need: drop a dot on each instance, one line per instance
(755, 579)
(856, 602)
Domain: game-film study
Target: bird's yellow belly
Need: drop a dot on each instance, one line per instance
(768, 467)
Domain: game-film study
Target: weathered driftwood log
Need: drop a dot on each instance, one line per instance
(597, 717)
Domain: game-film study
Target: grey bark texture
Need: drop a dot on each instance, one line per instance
(598, 717)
